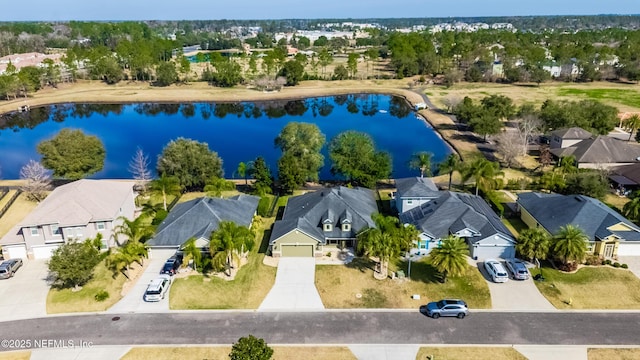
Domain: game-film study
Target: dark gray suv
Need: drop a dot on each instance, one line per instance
(447, 307)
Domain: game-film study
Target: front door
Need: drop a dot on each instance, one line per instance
(608, 250)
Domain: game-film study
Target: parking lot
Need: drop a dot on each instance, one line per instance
(133, 301)
(516, 295)
(25, 295)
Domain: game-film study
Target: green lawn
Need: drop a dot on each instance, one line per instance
(66, 300)
(629, 97)
(515, 225)
(601, 287)
(250, 286)
(353, 286)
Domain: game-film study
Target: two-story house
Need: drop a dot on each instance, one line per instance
(412, 192)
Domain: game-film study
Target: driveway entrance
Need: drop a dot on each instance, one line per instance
(294, 288)
(133, 301)
(24, 295)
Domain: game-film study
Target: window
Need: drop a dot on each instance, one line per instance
(327, 227)
(55, 230)
(34, 231)
(78, 232)
(409, 201)
(100, 226)
(346, 227)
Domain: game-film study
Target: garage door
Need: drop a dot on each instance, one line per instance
(14, 252)
(486, 252)
(43, 251)
(628, 249)
(297, 250)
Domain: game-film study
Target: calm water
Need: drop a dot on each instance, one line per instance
(237, 131)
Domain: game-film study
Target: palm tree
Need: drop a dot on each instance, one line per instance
(449, 165)
(570, 244)
(137, 250)
(150, 209)
(166, 185)
(422, 161)
(191, 251)
(533, 243)
(632, 209)
(227, 242)
(242, 171)
(484, 172)
(374, 242)
(450, 258)
(119, 261)
(631, 124)
(133, 230)
(567, 165)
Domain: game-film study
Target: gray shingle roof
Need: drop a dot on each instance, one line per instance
(198, 218)
(307, 212)
(602, 149)
(452, 212)
(416, 187)
(631, 172)
(572, 133)
(552, 211)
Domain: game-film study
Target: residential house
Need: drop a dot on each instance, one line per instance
(610, 234)
(412, 192)
(331, 217)
(563, 138)
(76, 211)
(466, 216)
(626, 177)
(601, 152)
(200, 217)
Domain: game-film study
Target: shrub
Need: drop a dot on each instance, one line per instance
(624, 266)
(160, 216)
(102, 295)
(518, 184)
(607, 262)
(264, 206)
(593, 260)
(616, 264)
(568, 267)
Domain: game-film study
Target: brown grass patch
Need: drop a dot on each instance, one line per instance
(615, 200)
(222, 353)
(476, 353)
(353, 286)
(18, 211)
(16, 355)
(608, 354)
(601, 287)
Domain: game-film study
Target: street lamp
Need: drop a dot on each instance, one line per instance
(409, 269)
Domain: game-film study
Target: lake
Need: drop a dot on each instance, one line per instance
(237, 131)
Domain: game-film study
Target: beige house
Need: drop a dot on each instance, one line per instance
(76, 211)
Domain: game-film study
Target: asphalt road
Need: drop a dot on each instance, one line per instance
(331, 328)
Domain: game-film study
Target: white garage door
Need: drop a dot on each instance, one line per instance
(487, 252)
(14, 252)
(43, 251)
(625, 249)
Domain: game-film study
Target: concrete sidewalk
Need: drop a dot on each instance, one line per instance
(81, 353)
(294, 288)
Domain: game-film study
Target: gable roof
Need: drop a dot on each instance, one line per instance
(553, 211)
(198, 218)
(416, 187)
(602, 149)
(306, 213)
(80, 202)
(453, 212)
(572, 133)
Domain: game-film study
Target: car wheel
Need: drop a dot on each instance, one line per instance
(435, 315)
(461, 316)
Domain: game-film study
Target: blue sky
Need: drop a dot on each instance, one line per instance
(20, 10)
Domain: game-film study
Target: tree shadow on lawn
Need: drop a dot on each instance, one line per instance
(421, 271)
(362, 264)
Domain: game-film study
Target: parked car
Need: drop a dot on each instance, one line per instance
(157, 288)
(8, 268)
(496, 271)
(172, 265)
(447, 307)
(518, 268)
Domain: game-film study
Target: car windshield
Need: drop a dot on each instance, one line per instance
(502, 274)
(522, 271)
(153, 292)
(441, 304)
(2, 271)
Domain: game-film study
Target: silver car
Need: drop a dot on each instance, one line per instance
(447, 307)
(518, 268)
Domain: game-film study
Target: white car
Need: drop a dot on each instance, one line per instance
(496, 271)
(518, 268)
(157, 288)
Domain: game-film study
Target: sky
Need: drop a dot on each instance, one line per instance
(32, 10)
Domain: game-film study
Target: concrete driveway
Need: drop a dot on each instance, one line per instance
(294, 288)
(515, 295)
(24, 296)
(633, 262)
(133, 301)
